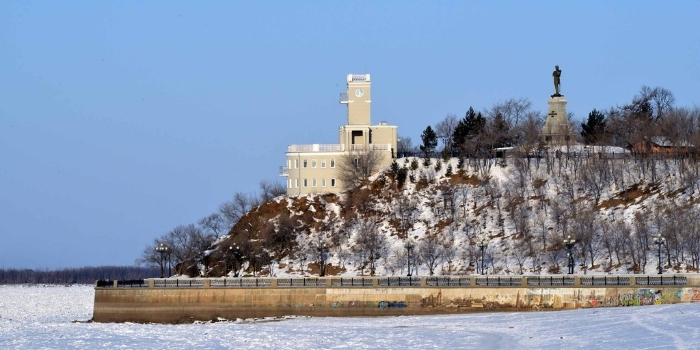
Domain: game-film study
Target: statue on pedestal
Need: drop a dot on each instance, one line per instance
(557, 81)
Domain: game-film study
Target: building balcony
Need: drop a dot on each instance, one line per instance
(344, 97)
(321, 148)
(315, 148)
(284, 170)
(373, 146)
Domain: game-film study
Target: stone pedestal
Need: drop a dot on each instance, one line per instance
(556, 128)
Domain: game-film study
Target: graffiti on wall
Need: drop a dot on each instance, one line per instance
(696, 294)
(643, 297)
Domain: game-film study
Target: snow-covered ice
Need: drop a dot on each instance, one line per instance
(40, 317)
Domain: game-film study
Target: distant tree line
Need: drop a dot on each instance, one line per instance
(82, 275)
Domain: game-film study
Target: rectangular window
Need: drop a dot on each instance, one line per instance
(313, 163)
(289, 183)
(332, 163)
(323, 163)
(332, 182)
(306, 183)
(296, 164)
(313, 182)
(305, 164)
(323, 182)
(296, 183)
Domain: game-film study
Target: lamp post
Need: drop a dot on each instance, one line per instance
(162, 249)
(569, 242)
(659, 241)
(409, 247)
(322, 255)
(170, 263)
(482, 245)
(232, 256)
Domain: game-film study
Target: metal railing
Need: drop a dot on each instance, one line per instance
(373, 146)
(315, 148)
(179, 283)
(352, 282)
(662, 281)
(431, 281)
(550, 281)
(447, 281)
(499, 281)
(399, 281)
(301, 282)
(605, 281)
(240, 282)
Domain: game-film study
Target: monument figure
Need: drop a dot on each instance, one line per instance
(557, 81)
(556, 129)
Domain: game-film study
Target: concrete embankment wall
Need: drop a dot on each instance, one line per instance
(177, 304)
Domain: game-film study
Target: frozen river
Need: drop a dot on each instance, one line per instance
(41, 317)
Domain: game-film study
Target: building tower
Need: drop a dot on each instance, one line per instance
(312, 168)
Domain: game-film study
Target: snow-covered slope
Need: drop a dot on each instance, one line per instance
(521, 209)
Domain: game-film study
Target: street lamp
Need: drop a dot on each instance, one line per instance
(482, 245)
(323, 255)
(233, 252)
(409, 247)
(205, 261)
(569, 242)
(162, 249)
(659, 241)
(170, 262)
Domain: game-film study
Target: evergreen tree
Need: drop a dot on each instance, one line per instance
(472, 125)
(448, 172)
(500, 131)
(475, 123)
(594, 128)
(430, 142)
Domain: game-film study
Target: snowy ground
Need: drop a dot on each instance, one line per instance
(39, 317)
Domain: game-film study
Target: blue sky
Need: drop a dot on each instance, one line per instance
(122, 120)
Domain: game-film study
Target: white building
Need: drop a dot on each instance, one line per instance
(312, 168)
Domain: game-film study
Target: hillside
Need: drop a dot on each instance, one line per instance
(612, 203)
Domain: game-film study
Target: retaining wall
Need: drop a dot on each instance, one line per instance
(171, 301)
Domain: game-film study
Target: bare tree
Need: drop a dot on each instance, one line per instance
(444, 130)
(186, 242)
(430, 251)
(449, 247)
(356, 166)
(370, 244)
(405, 146)
(235, 209)
(215, 224)
(270, 190)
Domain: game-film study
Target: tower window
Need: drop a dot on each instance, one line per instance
(305, 164)
(306, 183)
(332, 182)
(323, 163)
(332, 163)
(313, 163)
(323, 182)
(313, 182)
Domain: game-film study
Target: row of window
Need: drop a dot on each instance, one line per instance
(305, 163)
(305, 183)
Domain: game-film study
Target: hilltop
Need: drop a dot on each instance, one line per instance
(521, 208)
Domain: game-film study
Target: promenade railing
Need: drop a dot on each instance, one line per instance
(464, 281)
